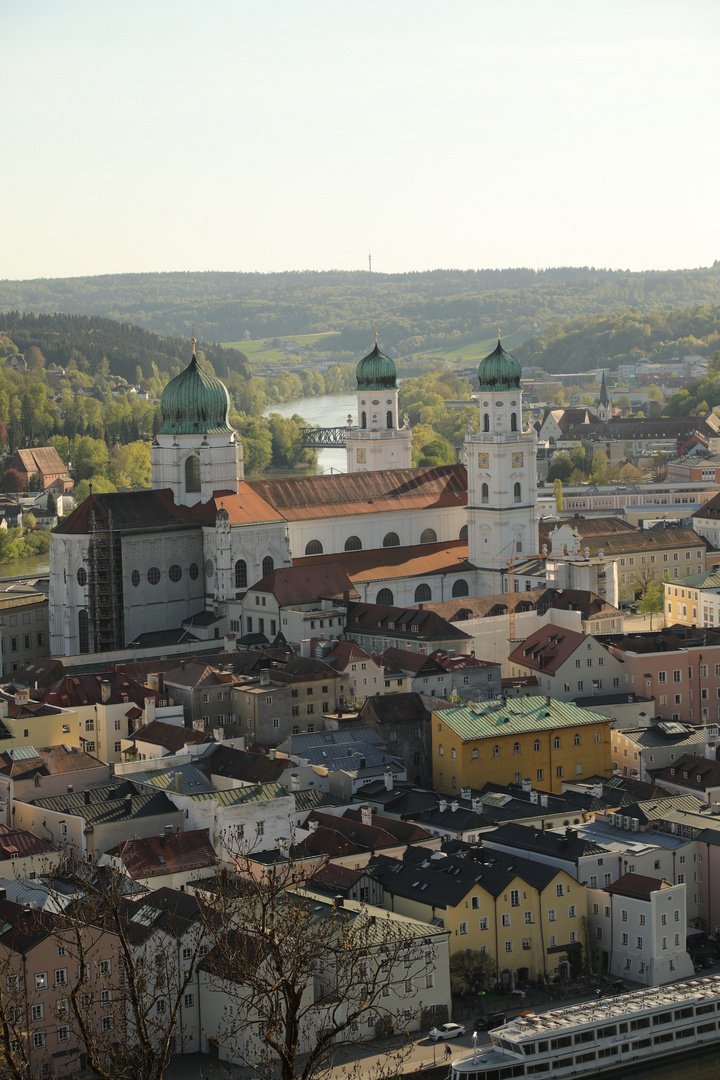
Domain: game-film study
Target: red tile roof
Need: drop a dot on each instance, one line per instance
(379, 563)
(304, 583)
(547, 649)
(637, 885)
(73, 690)
(157, 856)
(172, 737)
(128, 510)
(21, 842)
(342, 494)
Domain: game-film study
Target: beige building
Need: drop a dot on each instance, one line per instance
(23, 626)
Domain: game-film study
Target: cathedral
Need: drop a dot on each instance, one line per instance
(181, 556)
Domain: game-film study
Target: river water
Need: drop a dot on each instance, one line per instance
(330, 410)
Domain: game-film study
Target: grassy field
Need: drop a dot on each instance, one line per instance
(256, 350)
(474, 350)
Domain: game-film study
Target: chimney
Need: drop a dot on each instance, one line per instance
(534, 797)
(149, 710)
(312, 826)
(231, 643)
(527, 785)
(86, 798)
(22, 696)
(389, 778)
(294, 782)
(477, 806)
(128, 805)
(265, 676)
(443, 806)
(105, 691)
(162, 840)
(465, 793)
(178, 782)
(366, 815)
(543, 800)
(305, 648)
(339, 900)
(454, 805)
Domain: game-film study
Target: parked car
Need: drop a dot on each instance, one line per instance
(447, 1031)
(492, 1020)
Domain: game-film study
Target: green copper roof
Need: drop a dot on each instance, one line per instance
(489, 719)
(499, 370)
(376, 371)
(195, 402)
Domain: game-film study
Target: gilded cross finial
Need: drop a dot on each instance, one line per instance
(192, 339)
(498, 333)
(376, 337)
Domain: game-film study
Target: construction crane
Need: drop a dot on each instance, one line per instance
(510, 564)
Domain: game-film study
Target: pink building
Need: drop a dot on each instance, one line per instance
(678, 666)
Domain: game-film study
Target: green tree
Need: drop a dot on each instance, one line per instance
(100, 485)
(90, 457)
(130, 465)
(558, 493)
(561, 466)
(652, 598)
(470, 971)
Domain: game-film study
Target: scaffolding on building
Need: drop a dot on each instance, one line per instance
(107, 618)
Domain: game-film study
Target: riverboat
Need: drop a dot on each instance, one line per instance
(603, 1037)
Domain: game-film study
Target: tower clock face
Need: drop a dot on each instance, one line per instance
(484, 461)
(517, 460)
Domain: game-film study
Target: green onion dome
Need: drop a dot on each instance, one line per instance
(376, 371)
(195, 402)
(499, 370)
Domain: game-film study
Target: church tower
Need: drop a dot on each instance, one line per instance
(604, 408)
(378, 441)
(502, 510)
(195, 452)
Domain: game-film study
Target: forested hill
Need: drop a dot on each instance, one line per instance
(610, 340)
(433, 310)
(131, 352)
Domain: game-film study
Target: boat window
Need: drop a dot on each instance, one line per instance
(622, 1028)
(681, 1014)
(706, 1027)
(541, 1067)
(529, 1049)
(700, 1009)
(667, 1037)
(643, 1022)
(607, 1051)
(685, 1033)
(564, 1063)
(662, 1018)
(641, 1044)
(543, 1046)
(587, 1056)
(607, 1032)
(563, 1040)
(585, 1037)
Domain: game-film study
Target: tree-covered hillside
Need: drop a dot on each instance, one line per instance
(624, 336)
(414, 313)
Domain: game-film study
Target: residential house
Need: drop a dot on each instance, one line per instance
(297, 602)
(567, 664)
(26, 722)
(526, 915)
(637, 928)
(166, 861)
(425, 675)
(24, 624)
(471, 679)
(368, 675)
(404, 723)
(159, 739)
(42, 463)
(692, 774)
(506, 741)
(28, 773)
(642, 753)
(694, 601)
(96, 819)
(205, 694)
(378, 627)
(287, 700)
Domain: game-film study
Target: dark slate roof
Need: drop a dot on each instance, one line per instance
(420, 624)
(128, 510)
(242, 765)
(311, 799)
(445, 881)
(299, 744)
(109, 804)
(403, 800)
(306, 584)
(567, 845)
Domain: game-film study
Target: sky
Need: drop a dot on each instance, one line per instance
(305, 134)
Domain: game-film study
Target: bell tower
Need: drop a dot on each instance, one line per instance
(196, 451)
(501, 458)
(378, 441)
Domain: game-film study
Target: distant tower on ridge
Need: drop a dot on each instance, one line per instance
(370, 262)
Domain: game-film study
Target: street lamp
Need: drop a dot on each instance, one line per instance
(474, 1039)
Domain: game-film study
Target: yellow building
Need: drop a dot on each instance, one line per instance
(529, 917)
(507, 741)
(694, 600)
(24, 722)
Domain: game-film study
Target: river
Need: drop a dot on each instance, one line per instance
(36, 564)
(330, 410)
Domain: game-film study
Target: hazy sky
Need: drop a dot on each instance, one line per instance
(300, 134)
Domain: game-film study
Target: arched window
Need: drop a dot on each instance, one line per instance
(353, 543)
(460, 587)
(516, 748)
(363, 419)
(268, 565)
(192, 473)
(314, 547)
(496, 751)
(391, 540)
(486, 422)
(485, 494)
(428, 536)
(241, 574)
(517, 496)
(385, 596)
(556, 742)
(423, 593)
(513, 422)
(463, 533)
(536, 746)
(389, 419)
(83, 633)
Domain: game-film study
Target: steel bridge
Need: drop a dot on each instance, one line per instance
(322, 437)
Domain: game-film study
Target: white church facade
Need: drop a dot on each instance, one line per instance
(183, 554)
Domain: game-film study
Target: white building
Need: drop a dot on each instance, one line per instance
(638, 928)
